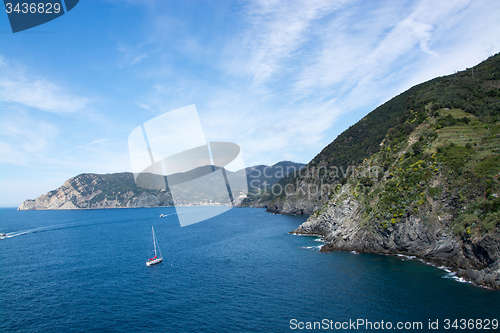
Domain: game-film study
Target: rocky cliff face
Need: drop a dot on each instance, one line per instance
(418, 207)
(292, 206)
(477, 260)
(477, 94)
(425, 180)
(300, 198)
(99, 191)
(120, 190)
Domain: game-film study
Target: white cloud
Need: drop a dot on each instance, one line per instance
(24, 140)
(293, 67)
(276, 30)
(18, 88)
(86, 146)
(33, 141)
(39, 144)
(352, 53)
(131, 55)
(144, 106)
(42, 95)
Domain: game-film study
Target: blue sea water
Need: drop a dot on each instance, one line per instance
(85, 271)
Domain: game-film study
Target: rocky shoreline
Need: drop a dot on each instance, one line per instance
(417, 176)
(486, 278)
(475, 260)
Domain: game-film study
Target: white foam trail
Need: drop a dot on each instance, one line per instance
(46, 228)
(31, 231)
(406, 257)
(449, 273)
(446, 269)
(163, 215)
(452, 275)
(318, 247)
(14, 234)
(305, 235)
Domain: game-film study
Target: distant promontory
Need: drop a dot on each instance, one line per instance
(119, 190)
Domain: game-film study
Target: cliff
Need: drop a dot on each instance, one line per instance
(476, 95)
(99, 191)
(429, 187)
(343, 224)
(119, 190)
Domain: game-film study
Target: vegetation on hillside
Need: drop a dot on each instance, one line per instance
(442, 157)
(435, 148)
(442, 169)
(107, 186)
(89, 190)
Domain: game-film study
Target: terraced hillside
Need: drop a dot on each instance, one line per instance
(432, 189)
(468, 102)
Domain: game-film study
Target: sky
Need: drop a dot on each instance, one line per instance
(279, 78)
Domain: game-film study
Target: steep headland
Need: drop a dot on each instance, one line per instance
(119, 190)
(419, 176)
(90, 190)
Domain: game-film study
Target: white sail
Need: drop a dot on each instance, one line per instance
(155, 260)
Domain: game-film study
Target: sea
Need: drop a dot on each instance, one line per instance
(241, 271)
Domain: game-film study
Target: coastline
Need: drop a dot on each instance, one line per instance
(452, 273)
(483, 278)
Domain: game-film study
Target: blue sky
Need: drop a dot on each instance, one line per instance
(281, 79)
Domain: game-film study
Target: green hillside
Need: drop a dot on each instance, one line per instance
(428, 187)
(454, 119)
(444, 149)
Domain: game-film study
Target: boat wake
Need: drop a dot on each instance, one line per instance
(41, 229)
(51, 228)
(165, 215)
(14, 234)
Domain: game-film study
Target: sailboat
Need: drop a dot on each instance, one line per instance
(155, 260)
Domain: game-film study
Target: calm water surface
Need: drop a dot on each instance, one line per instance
(85, 271)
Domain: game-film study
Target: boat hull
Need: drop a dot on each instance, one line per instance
(154, 262)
